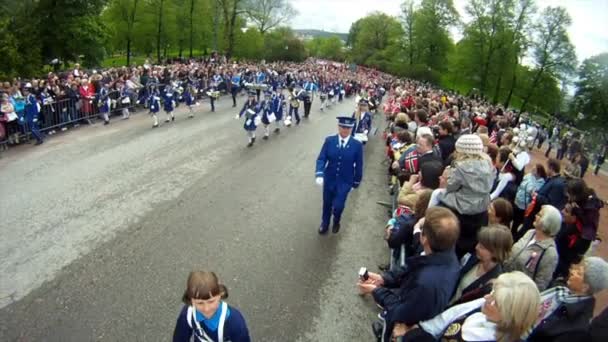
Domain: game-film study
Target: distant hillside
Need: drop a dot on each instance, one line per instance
(321, 33)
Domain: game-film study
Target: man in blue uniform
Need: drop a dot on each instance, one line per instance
(339, 169)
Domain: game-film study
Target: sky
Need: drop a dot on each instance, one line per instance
(588, 32)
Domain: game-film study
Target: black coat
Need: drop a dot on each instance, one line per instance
(447, 145)
(565, 323)
(553, 192)
(480, 287)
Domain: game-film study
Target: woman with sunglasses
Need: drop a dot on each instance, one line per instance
(504, 315)
(205, 316)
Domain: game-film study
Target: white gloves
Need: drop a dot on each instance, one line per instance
(319, 181)
(236, 117)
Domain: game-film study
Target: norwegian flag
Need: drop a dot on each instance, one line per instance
(493, 137)
(411, 162)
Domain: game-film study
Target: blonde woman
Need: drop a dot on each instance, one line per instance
(504, 315)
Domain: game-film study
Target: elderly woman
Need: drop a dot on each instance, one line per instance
(494, 245)
(535, 253)
(504, 315)
(566, 311)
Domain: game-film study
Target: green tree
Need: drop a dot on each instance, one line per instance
(250, 44)
(121, 16)
(282, 45)
(431, 27)
(268, 14)
(591, 96)
(376, 33)
(552, 51)
(408, 15)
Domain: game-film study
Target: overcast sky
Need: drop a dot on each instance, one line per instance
(588, 32)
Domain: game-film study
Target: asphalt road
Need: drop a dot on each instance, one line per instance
(101, 225)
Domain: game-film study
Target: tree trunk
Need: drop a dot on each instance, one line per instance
(191, 26)
(231, 33)
(513, 84)
(128, 51)
(160, 26)
(497, 89)
(531, 91)
(130, 31)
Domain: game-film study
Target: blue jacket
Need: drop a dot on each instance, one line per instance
(31, 107)
(340, 166)
(420, 290)
(553, 192)
(235, 328)
(363, 124)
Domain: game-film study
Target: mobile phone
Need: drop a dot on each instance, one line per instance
(363, 274)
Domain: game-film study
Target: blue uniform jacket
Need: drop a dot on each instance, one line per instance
(235, 328)
(31, 108)
(364, 123)
(340, 166)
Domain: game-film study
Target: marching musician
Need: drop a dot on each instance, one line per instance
(250, 110)
(189, 98)
(268, 116)
(323, 96)
(154, 103)
(310, 89)
(169, 103)
(260, 78)
(339, 169)
(104, 102)
(363, 121)
(213, 94)
(295, 93)
(234, 89)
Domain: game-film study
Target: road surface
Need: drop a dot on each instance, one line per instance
(101, 226)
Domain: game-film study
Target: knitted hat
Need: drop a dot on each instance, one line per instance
(469, 144)
(596, 274)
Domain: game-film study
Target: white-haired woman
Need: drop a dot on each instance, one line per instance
(535, 253)
(504, 315)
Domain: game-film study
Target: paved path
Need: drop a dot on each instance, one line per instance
(101, 225)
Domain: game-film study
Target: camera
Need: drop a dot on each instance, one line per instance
(363, 274)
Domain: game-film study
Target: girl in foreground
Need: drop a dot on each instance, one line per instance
(205, 315)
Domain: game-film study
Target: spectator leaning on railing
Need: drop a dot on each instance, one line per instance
(422, 288)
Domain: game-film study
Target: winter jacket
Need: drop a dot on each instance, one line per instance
(469, 186)
(538, 260)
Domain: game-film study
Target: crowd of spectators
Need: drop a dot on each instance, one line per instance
(66, 99)
(497, 247)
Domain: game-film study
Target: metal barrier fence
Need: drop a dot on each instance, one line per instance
(59, 114)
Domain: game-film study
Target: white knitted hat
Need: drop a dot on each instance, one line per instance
(469, 144)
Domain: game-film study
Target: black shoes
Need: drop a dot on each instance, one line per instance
(265, 137)
(39, 142)
(377, 330)
(323, 230)
(277, 130)
(335, 228)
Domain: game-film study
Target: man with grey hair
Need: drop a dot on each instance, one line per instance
(567, 310)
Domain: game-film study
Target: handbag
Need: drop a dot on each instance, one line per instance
(530, 207)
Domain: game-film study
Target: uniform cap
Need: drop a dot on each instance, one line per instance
(346, 121)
